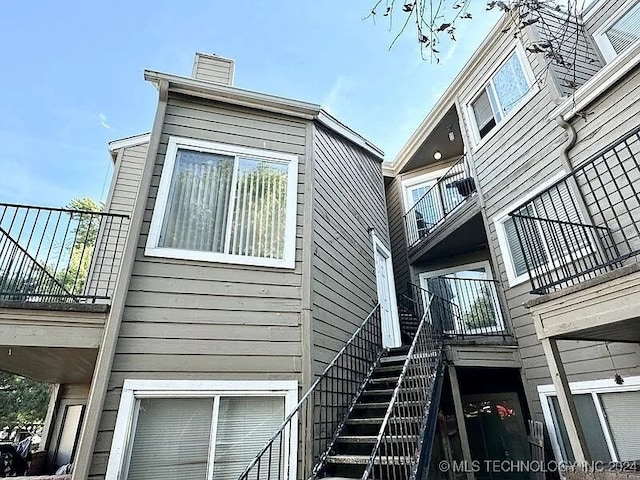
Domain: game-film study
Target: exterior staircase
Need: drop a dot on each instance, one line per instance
(353, 447)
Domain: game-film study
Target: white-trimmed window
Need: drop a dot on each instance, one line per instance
(506, 89)
(609, 415)
(224, 203)
(471, 288)
(430, 203)
(621, 32)
(198, 429)
(537, 242)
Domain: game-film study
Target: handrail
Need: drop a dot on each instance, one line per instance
(418, 218)
(19, 260)
(322, 422)
(398, 447)
(65, 255)
(587, 222)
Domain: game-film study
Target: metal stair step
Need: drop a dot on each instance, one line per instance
(376, 421)
(384, 380)
(373, 438)
(364, 405)
(393, 359)
(364, 459)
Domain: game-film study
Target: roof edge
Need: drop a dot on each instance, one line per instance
(447, 99)
(262, 101)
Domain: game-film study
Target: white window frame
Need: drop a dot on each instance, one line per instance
(593, 387)
(423, 276)
(412, 183)
(134, 390)
(152, 249)
(600, 35)
(518, 50)
(500, 219)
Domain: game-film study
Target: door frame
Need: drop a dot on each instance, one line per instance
(390, 327)
(500, 323)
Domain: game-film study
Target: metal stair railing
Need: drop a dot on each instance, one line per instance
(403, 444)
(22, 277)
(318, 418)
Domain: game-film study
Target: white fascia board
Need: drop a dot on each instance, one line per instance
(593, 89)
(447, 100)
(235, 96)
(128, 142)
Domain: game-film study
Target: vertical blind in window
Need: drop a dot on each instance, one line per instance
(171, 439)
(260, 208)
(198, 204)
(245, 425)
(548, 234)
(626, 31)
(622, 410)
(225, 204)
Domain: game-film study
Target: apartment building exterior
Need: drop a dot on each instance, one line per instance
(513, 177)
(260, 277)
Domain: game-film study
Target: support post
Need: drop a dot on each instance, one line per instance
(462, 427)
(565, 400)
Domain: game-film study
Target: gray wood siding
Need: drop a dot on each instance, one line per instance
(397, 234)
(577, 51)
(122, 196)
(523, 153)
(601, 12)
(348, 200)
(200, 320)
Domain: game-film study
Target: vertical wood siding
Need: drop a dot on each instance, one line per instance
(523, 153)
(349, 199)
(199, 320)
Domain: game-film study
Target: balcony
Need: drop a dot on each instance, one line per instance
(58, 270)
(580, 239)
(447, 205)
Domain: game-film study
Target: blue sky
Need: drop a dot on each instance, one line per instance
(72, 75)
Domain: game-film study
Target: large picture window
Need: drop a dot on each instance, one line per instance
(504, 91)
(197, 430)
(222, 203)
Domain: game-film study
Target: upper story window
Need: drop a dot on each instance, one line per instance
(543, 236)
(504, 91)
(225, 204)
(620, 33)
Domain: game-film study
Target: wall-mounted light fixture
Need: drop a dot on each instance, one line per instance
(452, 136)
(437, 155)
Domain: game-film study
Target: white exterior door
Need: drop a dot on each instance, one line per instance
(386, 296)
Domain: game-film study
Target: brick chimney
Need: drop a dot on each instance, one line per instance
(214, 69)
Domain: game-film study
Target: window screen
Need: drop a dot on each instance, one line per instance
(626, 31)
(622, 410)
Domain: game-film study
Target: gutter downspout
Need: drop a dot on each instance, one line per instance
(102, 371)
(569, 144)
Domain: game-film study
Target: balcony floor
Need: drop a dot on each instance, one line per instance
(51, 342)
(461, 231)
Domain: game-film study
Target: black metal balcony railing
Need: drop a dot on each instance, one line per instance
(402, 448)
(461, 307)
(320, 414)
(440, 200)
(585, 224)
(57, 255)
